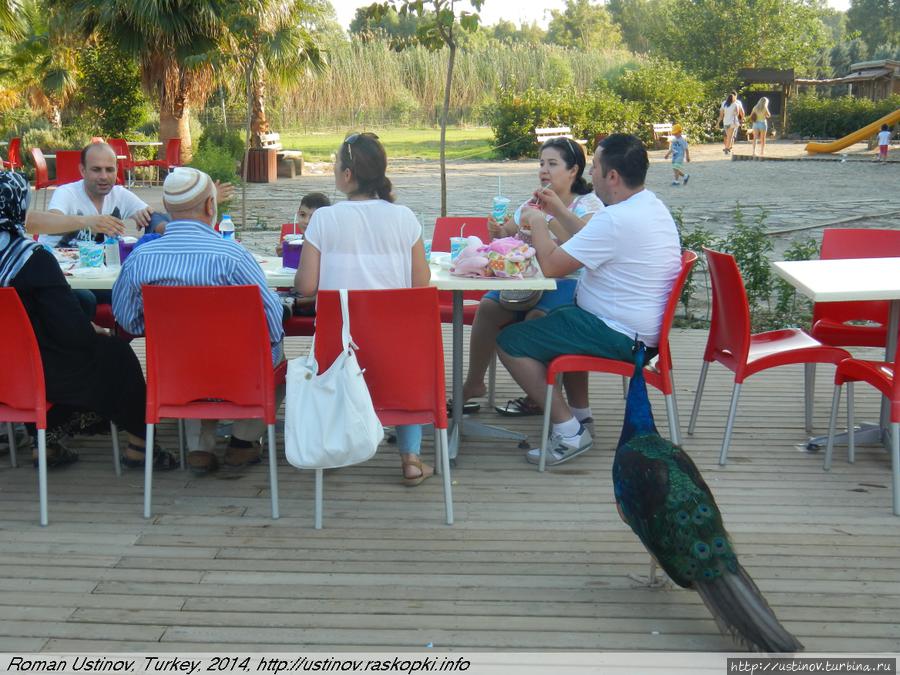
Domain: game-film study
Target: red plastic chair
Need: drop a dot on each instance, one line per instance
(731, 343)
(41, 175)
(398, 331)
(658, 373)
(14, 160)
(67, 166)
(447, 227)
(170, 160)
(22, 390)
(125, 167)
(223, 372)
(830, 323)
(883, 376)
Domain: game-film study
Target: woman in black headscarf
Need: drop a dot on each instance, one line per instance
(84, 372)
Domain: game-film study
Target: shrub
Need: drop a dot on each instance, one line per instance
(217, 162)
(230, 141)
(815, 117)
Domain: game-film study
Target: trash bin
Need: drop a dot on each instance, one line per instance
(262, 165)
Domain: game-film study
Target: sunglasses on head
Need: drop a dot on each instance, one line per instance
(352, 138)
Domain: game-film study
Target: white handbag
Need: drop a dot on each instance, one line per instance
(329, 418)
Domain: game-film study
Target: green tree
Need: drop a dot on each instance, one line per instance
(507, 33)
(168, 40)
(41, 64)
(641, 21)
(440, 25)
(583, 25)
(714, 38)
(109, 86)
(371, 20)
(876, 21)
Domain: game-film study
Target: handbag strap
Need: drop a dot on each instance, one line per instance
(346, 338)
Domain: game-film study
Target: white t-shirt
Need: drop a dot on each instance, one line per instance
(884, 138)
(72, 200)
(732, 115)
(631, 254)
(364, 244)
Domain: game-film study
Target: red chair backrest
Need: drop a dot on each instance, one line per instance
(15, 152)
(398, 332)
(41, 175)
(22, 393)
(227, 357)
(447, 227)
(120, 147)
(173, 152)
(856, 243)
(67, 163)
(729, 329)
(664, 364)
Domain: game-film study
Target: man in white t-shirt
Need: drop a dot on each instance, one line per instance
(96, 194)
(631, 255)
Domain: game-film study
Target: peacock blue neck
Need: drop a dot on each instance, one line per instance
(638, 413)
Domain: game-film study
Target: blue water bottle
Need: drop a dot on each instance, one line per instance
(226, 227)
(111, 252)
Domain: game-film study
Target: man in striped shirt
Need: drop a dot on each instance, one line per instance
(191, 253)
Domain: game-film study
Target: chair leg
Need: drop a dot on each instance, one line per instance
(729, 425)
(319, 489)
(42, 474)
(672, 414)
(148, 471)
(675, 406)
(809, 393)
(273, 472)
(492, 381)
(832, 423)
(114, 432)
(851, 425)
(11, 434)
(545, 432)
(182, 434)
(895, 465)
(445, 466)
(696, 408)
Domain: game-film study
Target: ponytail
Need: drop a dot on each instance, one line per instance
(364, 155)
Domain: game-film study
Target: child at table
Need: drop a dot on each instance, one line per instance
(308, 206)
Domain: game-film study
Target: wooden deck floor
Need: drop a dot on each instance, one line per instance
(536, 562)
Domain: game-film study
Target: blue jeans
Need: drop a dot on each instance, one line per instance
(409, 438)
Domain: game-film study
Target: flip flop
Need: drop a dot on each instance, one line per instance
(519, 407)
(58, 455)
(469, 407)
(162, 459)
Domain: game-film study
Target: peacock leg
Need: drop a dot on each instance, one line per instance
(652, 580)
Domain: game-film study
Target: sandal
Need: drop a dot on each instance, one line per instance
(469, 407)
(163, 460)
(58, 455)
(519, 407)
(425, 471)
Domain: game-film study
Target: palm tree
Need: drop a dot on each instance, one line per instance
(168, 40)
(266, 40)
(41, 64)
(10, 18)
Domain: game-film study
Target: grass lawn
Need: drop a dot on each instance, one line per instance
(468, 143)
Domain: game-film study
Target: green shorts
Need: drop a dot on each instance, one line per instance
(678, 166)
(566, 330)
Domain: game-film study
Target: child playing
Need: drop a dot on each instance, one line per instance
(678, 148)
(884, 142)
(293, 303)
(308, 206)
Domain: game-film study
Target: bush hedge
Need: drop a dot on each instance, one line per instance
(658, 91)
(810, 116)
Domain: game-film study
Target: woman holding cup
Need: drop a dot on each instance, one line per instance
(568, 202)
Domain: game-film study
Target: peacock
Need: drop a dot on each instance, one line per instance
(662, 496)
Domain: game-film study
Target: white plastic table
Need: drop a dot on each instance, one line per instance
(444, 281)
(144, 143)
(850, 279)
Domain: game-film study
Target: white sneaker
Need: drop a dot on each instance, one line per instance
(563, 448)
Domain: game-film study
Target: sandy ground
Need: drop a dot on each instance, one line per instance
(801, 194)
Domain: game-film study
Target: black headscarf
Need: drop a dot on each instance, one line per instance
(15, 247)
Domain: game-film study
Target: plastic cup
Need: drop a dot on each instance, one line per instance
(457, 244)
(290, 251)
(126, 245)
(499, 207)
(427, 243)
(90, 254)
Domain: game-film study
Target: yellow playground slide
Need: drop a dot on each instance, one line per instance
(859, 135)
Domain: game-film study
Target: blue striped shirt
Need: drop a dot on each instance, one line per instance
(191, 254)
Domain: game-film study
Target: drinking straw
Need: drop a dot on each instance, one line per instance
(295, 222)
